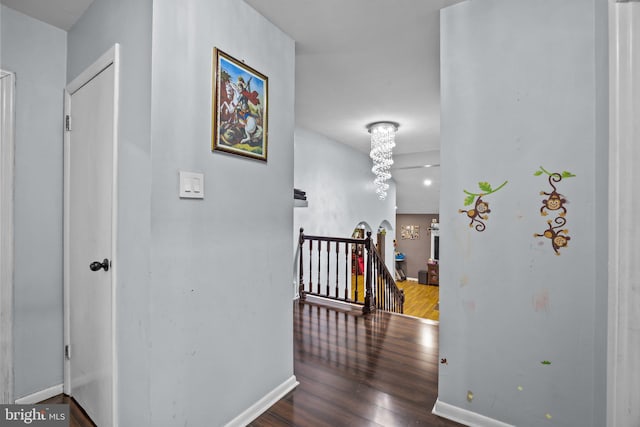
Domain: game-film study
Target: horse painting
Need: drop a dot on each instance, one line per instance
(240, 108)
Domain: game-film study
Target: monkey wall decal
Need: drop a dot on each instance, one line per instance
(559, 238)
(555, 202)
(480, 211)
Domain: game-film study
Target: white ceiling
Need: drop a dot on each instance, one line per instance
(357, 62)
(361, 61)
(59, 13)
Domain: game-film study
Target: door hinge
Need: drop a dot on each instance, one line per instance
(67, 122)
(67, 351)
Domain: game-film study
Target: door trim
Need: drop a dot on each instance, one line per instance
(109, 58)
(7, 150)
(623, 336)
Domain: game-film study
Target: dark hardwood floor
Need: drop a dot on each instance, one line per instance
(354, 370)
(78, 418)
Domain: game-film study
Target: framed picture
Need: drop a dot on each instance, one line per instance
(411, 232)
(240, 108)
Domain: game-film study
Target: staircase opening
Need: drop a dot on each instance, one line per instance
(349, 271)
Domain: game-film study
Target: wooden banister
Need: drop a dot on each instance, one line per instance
(388, 296)
(322, 254)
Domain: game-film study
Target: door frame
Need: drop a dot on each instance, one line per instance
(109, 58)
(623, 337)
(7, 158)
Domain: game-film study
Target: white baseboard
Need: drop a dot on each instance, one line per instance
(412, 279)
(464, 416)
(255, 410)
(327, 302)
(419, 319)
(41, 395)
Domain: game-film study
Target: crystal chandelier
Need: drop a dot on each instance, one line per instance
(383, 139)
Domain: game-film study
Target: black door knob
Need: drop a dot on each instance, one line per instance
(97, 265)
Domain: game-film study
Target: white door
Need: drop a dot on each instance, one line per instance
(89, 221)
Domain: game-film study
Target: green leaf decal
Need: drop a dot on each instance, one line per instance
(566, 174)
(538, 173)
(546, 362)
(485, 186)
(469, 200)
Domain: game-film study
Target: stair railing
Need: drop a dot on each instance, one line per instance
(330, 268)
(388, 296)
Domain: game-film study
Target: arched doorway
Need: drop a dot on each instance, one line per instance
(357, 284)
(384, 247)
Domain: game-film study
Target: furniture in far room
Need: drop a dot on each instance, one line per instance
(422, 277)
(433, 274)
(400, 266)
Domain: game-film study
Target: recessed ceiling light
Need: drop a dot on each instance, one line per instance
(427, 182)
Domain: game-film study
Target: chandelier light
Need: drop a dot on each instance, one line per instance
(383, 139)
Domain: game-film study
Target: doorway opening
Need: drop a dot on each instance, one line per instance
(357, 283)
(7, 147)
(417, 270)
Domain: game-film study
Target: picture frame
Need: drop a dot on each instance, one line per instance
(240, 102)
(410, 232)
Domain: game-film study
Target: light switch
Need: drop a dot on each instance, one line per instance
(195, 184)
(191, 185)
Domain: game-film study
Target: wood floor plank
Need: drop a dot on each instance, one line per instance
(421, 300)
(78, 418)
(378, 369)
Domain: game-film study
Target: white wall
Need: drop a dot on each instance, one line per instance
(340, 191)
(221, 310)
(204, 308)
(601, 188)
(522, 87)
(36, 52)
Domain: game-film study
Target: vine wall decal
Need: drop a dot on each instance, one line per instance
(555, 203)
(480, 211)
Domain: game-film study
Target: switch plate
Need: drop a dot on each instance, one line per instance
(191, 185)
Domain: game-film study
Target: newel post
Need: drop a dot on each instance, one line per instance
(368, 296)
(300, 270)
